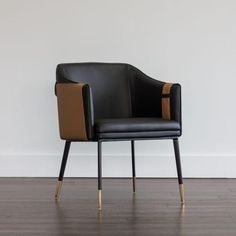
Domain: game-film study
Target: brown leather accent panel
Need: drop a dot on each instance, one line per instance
(166, 114)
(71, 111)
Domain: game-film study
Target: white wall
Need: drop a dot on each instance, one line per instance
(192, 42)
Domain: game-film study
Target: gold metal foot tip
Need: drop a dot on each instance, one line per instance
(181, 192)
(99, 200)
(58, 190)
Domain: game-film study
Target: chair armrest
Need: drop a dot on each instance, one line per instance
(75, 111)
(171, 102)
(153, 98)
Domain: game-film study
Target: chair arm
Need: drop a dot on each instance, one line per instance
(171, 102)
(153, 98)
(75, 111)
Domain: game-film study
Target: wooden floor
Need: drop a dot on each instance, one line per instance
(27, 207)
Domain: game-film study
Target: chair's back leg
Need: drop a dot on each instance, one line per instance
(62, 169)
(133, 165)
(179, 171)
(99, 175)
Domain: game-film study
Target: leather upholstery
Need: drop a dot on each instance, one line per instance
(74, 111)
(126, 103)
(165, 101)
(138, 135)
(109, 85)
(135, 128)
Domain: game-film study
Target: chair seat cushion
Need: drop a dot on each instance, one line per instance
(129, 128)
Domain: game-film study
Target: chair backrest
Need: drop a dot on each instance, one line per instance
(109, 83)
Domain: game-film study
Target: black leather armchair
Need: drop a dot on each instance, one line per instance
(113, 102)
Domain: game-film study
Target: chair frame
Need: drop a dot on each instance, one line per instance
(99, 156)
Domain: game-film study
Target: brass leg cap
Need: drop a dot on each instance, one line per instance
(181, 192)
(99, 200)
(58, 190)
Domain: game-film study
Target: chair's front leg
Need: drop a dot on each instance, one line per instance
(133, 165)
(99, 175)
(179, 171)
(62, 170)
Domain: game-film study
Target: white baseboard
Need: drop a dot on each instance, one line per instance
(47, 165)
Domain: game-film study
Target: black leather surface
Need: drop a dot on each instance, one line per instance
(135, 128)
(146, 95)
(121, 91)
(139, 135)
(134, 125)
(88, 111)
(109, 85)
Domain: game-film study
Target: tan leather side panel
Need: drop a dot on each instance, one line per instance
(71, 111)
(166, 114)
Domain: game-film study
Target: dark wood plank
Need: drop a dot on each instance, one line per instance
(27, 207)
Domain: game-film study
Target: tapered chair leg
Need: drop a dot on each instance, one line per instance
(133, 165)
(99, 175)
(62, 169)
(179, 171)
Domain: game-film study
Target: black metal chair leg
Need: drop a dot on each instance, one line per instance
(99, 175)
(62, 169)
(133, 165)
(179, 171)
